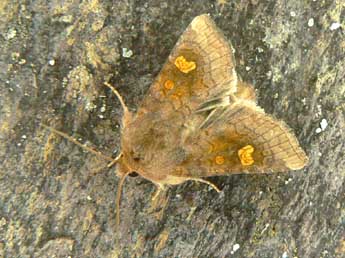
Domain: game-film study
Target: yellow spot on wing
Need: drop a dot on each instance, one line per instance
(183, 65)
(245, 155)
(169, 85)
(219, 160)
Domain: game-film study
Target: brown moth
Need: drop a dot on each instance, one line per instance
(199, 119)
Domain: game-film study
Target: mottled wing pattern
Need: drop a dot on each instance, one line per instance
(245, 140)
(200, 68)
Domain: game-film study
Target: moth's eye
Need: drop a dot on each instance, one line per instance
(133, 174)
(135, 155)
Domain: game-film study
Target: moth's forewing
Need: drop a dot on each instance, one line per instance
(212, 75)
(245, 140)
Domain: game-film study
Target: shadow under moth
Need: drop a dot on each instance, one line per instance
(199, 119)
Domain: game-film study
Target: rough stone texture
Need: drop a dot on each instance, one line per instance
(54, 58)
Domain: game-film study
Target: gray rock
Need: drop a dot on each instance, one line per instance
(54, 59)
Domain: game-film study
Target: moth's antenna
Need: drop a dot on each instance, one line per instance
(69, 138)
(123, 104)
(118, 199)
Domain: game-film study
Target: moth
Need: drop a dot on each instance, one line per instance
(200, 120)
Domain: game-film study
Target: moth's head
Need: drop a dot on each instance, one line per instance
(127, 159)
(131, 160)
(136, 140)
(121, 167)
(131, 156)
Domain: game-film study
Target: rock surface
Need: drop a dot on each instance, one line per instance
(54, 58)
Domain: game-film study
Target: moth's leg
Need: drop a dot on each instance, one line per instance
(245, 91)
(159, 201)
(160, 189)
(205, 182)
(114, 160)
(109, 165)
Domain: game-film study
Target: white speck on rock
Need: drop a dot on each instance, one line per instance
(269, 74)
(90, 106)
(164, 5)
(323, 124)
(334, 26)
(11, 33)
(285, 255)
(319, 110)
(288, 181)
(311, 22)
(318, 130)
(265, 228)
(303, 101)
(67, 18)
(127, 53)
(3, 222)
(247, 68)
(51, 62)
(293, 14)
(235, 248)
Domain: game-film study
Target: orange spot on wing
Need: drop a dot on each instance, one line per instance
(219, 160)
(245, 155)
(183, 65)
(169, 84)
